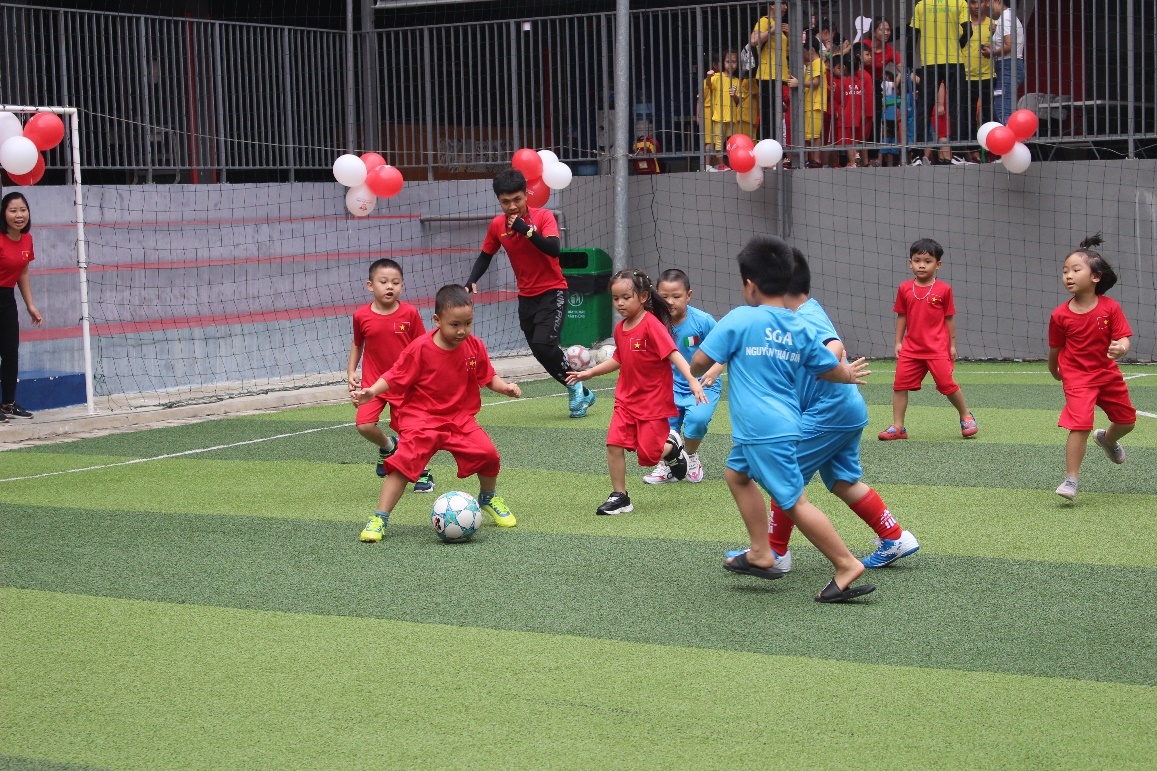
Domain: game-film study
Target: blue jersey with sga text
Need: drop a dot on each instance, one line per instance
(827, 406)
(766, 348)
(689, 335)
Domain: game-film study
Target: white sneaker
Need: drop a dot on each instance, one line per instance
(1115, 451)
(694, 468)
(661, 475)
(918, 162)
(1068, 489)
(888, 552)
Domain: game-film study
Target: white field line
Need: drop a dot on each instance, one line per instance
(134, 461)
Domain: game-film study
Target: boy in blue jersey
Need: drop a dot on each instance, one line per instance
(689, 326)
(766, 346)
(834, 416)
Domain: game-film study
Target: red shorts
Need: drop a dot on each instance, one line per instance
(646, 436)
(372, 410)
(1112, 397)
(850, 135)
(472, 449)
(910, 374)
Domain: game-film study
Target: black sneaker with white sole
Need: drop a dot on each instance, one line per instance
(676, 458)
(15, 411)
(617, 503)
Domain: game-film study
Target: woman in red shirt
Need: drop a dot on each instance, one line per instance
(15, 254)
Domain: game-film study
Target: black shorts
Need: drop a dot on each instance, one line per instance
(541, 317)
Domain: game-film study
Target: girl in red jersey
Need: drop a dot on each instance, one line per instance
(1087, 335)
(644, 395)
(15, 254)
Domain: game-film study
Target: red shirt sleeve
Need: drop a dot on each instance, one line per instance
(405, 370)
(544, 222)
(484, 372)
(359, 333)
(1056, 330)
(901, 304)
(491, 244)
(1118, 324)
(949, 303)
(664, 343)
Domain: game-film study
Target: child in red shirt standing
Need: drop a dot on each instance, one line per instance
(645, 393)
(852, 105)
(925, 339)
(382, 330)
(436, 380)
(1087, 335)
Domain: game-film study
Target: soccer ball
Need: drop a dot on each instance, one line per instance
(604, 352)
(578, 358)
(456, 517)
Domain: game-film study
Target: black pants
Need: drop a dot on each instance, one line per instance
(976, 90)
(541, 320)
(9, 344)
(952, 76)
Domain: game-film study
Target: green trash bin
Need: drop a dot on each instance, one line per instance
(588, 311)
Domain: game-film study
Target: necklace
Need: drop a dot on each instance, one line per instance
(930, 288)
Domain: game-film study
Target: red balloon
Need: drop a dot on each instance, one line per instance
(741, 159)
(45, 129)
(372, 161)
(739, 140)
(1001, 140)
(1023, 124)
(529, 163)
(384, 181)
(32, 177)
(537, 193)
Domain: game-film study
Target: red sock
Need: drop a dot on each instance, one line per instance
(779, 531)
(875, 514)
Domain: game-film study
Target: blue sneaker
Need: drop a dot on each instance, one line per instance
(425, 483)
(782, 561)
(889, 551)
(580, 402)
(383, 453)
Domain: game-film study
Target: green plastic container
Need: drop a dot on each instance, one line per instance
(588, 311)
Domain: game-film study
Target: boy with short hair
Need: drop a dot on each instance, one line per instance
(531, 240)
(766, 346)
(382, 330)
(437, 379)
(925, 339)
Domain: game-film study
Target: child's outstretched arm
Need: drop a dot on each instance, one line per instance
(711, 375)
(701, 362)
(608, 366)
(1055, 363)
(1118, 348)
(851, 373)
(500, 386)
(361, 396)
(351, 368)
(684, 368)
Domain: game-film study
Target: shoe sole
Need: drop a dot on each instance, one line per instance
(621, 510)
(421, 492)
(692, 480)
(659, 481)
(892, 438)
(1066, 496)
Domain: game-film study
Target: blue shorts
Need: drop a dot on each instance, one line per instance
(773, 466)
(693, 417)
(836, 455)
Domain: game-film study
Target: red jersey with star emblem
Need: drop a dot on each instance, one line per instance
(1084, 341)
(646, 385)
(534, 272)
(439, 388)
(383, 337)
(14, 258)
(927, 307)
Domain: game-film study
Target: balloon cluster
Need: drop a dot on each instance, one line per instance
(543, 171)
(368, 178)
(748, 159)
(21, 146)
(1007, 141)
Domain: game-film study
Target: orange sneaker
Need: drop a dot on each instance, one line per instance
(968, 426)
(891, 432)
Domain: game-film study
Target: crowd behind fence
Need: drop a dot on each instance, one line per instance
(164, 99)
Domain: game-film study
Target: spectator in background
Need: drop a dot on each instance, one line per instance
(16, 252)
(978, 73)
(831, 42)
(703, 110)
(1007, 52)
(769, 37)
(851, 99)
(941, 30)
(880, 54)
(815, 100)
(724, 90)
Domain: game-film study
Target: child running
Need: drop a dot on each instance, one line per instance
(689, 326)
(530, 238)
(437, 379)
(644, 394)
(382, 330)
(925, 339)
(834, 416)
(766, 347)
(1087, 335)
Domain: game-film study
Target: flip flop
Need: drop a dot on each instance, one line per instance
(833, 593)
(739, 564)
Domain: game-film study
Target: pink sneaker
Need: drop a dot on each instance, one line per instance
(968, 426)
(891, 432)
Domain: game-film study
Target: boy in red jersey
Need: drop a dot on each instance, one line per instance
(530, 238)
(852, 105)
(382, 330)
(437, 379)
(925, 339)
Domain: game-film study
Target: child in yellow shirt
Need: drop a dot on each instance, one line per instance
(815, 101)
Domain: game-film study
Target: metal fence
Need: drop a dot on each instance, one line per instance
(200, 101)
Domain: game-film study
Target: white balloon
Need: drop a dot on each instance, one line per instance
(547, 157)
(349, 170)
(18, 155)
(359, 200)
(556, 175)
(768, 153)
(9, 127)
(751, 180)
(1018, 159)
(982, 133)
